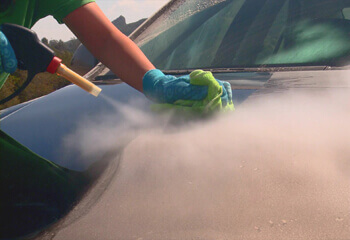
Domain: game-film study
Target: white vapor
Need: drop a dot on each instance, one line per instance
(277, 168)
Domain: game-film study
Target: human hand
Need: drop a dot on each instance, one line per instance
(8, 61)
(199, 91)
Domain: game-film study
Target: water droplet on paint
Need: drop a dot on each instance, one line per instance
(338, 219)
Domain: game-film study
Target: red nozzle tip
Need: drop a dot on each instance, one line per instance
(54, 64)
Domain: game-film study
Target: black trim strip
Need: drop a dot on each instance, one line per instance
(237, 70)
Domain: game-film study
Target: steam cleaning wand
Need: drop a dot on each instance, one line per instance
(36, 57)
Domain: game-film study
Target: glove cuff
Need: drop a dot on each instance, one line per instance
(149, 81)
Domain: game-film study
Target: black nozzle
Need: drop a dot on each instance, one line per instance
(31, 53)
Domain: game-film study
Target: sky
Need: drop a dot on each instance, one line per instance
(132, 10)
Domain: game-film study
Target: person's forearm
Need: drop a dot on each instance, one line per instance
(124, 58)
(108, 44)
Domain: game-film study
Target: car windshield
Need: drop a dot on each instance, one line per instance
(249, 33)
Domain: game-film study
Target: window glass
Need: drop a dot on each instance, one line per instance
(249, 33)
(271, 42)
(199, 45)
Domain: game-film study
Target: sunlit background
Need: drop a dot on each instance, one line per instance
(132, 10)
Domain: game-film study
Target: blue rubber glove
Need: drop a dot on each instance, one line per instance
(8, 61)
(163, 88)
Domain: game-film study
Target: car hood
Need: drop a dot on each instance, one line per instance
(170, 182)
(44, 124)
(273, 169)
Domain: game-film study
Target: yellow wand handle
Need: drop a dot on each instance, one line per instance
(78, 80)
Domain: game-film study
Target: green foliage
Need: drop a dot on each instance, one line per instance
(45, 41)
(69, 46)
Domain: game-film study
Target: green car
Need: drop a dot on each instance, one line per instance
(111, 168)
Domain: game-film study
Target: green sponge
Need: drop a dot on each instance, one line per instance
(211, 103)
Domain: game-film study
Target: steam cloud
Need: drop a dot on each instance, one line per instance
(277, 168)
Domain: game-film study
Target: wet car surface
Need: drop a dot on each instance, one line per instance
(255, 174)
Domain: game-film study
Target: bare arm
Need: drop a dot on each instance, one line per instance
(108, 44)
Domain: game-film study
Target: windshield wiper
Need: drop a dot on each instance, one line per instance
(267, 69)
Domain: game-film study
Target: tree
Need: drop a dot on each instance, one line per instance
(45, 41)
